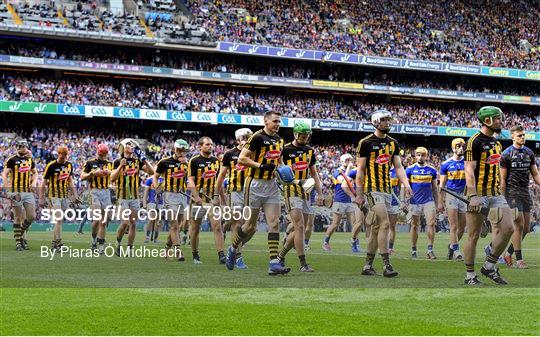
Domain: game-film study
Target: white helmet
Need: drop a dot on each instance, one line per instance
(243, 132)
(380, 114)
(344, 158)
(129, 140)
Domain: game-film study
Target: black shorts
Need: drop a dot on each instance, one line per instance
(522, 202)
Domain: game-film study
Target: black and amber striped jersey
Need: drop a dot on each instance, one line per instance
(204, 171)
(380, 153)
(237, 173)
(98, 164)
(174, 174)
(486, 151)
(21, 172)
(266, 150)
(300, 159)
(58, 178)
(127, 183)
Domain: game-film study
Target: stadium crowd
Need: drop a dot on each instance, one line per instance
(482, 32)
(265, 67)
(162, 94)
(82, 145)
(488, 32)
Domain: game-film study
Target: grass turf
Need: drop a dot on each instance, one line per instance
(150, 296)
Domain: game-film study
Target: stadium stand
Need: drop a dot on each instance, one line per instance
(267, 67)
(497, 33)
(166, 94)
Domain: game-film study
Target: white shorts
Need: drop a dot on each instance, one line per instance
(236, 198)
(258, 192)
(25, 198)
(298, 203)
(452, 202)
(344, 207)
(497, 201)
(427, 209)
(100, 198)
(375, 198)
(174, 201)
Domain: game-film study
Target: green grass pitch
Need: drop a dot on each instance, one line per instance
(150, 296)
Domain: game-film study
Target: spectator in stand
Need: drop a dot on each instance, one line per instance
(178, 97)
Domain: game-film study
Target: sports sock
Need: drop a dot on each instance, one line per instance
(302, 259)
(17, 233)
(518, 255)
(413, 248)
(326, 239)
(369, 259)
(455, 247)
(220, 254)
(511, 250)
(195, 254)
(470, 270)
(430, 248)
(491, 260)
(94, 238)
(238, 255)
(284, 252)
(273, 244)
(391, 245)
(306, 241)
(385, 258)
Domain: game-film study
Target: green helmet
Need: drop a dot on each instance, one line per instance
(181, 144)
(488, 111)
(302, 127)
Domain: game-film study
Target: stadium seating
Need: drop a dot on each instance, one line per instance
(488, 32)
(265, 67)
(168, 95)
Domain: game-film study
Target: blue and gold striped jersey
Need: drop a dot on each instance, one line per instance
(455, 172)
(421, 178)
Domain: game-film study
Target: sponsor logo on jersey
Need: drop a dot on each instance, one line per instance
(300, 166)
(24, 169)
(63, 176)
(272, 155)
(209, 174)
(383, 159)
(131, 171)
(240, 167)
(178, 174)
(494, 159)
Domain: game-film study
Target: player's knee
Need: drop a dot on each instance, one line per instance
(384, 225)
(506, 228)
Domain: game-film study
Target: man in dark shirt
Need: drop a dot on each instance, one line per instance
(516, 164)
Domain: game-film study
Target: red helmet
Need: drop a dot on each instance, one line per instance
(102, 149)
